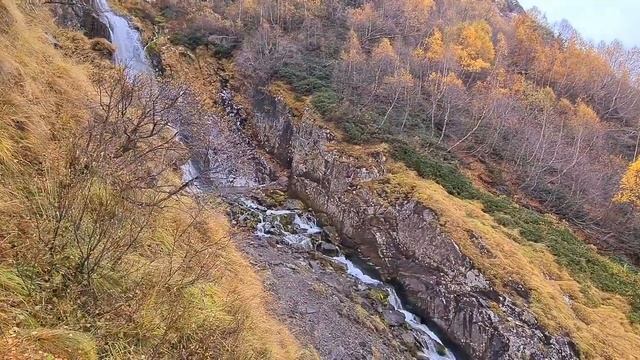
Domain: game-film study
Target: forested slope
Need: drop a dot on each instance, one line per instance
(550, 116)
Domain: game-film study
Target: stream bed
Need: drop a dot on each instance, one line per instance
(300, 229)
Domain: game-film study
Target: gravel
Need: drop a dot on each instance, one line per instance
(325, 309)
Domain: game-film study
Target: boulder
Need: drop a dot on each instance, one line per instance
(94, 27)
(285, 221)
(393, 317)
(331, 235)
(328, 249)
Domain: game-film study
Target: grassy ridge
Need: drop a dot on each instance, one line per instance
(574, 290)
(571, 252)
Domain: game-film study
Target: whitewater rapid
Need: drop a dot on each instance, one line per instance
(305, 225)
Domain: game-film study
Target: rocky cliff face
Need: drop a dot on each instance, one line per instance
(80, 15)
(404, 240)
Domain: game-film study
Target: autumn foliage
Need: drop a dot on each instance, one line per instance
(630, 185)
(540, 113)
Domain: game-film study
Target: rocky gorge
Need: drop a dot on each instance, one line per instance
(403, 239)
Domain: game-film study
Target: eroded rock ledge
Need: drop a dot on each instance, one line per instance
(80, 15)
(404, 240)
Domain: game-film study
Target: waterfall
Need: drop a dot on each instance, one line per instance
(129, 53)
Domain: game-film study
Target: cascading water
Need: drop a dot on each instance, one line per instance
(299, 233)
(129, 53)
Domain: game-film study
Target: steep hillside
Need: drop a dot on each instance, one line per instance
(102, 255)
(549, 117)
(484, 103)
(458, 160)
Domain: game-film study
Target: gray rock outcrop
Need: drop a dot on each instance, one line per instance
(404, 240)
(80, 15)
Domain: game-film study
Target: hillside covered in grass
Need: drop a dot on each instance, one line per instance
(102, 253)
(509, 128)
(516, 134)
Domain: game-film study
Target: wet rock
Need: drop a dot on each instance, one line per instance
(298, 242)
(245, 217)
(79, 15)
(93, 27)
(156, 60)
(328, 249)
(293, 204)
(393, 317)
(331, 234)
(409, 340)
(323, 219)
(281, 223)
(338, 267)
(274, 199)
(316, 238)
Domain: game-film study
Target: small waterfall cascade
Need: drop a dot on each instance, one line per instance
(130, 52)
(300, 229)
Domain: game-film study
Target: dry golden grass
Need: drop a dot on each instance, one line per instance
(596, 320)
(297, 104)
(38, 86)
(166, 300)
(196, 68)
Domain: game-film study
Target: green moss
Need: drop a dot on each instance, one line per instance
(306, 77)
(379, 295)
(325, 101)
(357, 134)
(447, 175)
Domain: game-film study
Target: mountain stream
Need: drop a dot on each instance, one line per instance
(304, 231)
